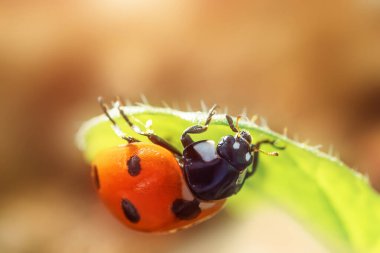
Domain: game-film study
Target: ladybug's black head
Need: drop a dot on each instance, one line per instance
(245, 135)
(236, 149)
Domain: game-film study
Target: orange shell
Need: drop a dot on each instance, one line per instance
(152, 191)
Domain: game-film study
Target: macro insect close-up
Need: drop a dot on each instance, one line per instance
(154, 187)
(222, 126)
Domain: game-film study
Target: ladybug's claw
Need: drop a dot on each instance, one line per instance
(230, 122)
(115, 127)
(211, 113)
(197, 129)
(104, 107)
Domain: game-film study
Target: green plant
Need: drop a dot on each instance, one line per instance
(319, 190)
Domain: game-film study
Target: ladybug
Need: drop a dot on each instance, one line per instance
(154, 187)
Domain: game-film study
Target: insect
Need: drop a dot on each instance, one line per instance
(154, 187)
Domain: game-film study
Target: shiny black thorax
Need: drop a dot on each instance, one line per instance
(214, 173)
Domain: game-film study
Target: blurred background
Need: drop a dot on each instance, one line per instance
(313, 67)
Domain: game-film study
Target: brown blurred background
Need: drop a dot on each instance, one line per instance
(313, 67)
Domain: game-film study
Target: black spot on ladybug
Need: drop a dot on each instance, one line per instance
(134, 165)
(186, 209)
(130, 211)
(95, 176)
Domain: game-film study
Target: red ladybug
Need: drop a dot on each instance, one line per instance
(153, 187)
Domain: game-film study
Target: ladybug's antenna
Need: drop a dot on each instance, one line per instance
(256, 147)
(237, 124)
(265, 152)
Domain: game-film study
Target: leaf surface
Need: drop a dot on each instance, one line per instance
(332, 200)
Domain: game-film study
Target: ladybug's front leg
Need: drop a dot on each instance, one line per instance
(197, 129)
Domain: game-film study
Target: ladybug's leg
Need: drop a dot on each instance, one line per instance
(197, 129)
(151, 136)
(256, 150)
(186, 209)
(115, 127)
(231, 123)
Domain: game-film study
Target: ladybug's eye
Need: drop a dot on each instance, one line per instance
(245, 135)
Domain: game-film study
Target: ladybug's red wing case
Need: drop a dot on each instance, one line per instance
(142, 184)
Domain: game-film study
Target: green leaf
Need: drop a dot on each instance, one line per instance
(335, 202)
